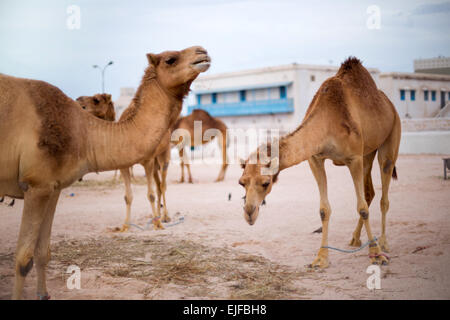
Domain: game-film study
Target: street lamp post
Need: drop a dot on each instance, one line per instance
(103, 73)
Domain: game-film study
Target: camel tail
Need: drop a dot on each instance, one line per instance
(394, 173)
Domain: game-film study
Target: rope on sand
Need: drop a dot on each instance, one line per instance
(147, 226)
(352, 251)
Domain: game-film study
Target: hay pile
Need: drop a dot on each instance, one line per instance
(202, 271)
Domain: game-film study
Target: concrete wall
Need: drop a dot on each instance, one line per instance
(437, 142)
(427, 124)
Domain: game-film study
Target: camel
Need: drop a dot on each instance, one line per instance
(348, 121)
(100, 105)
(208, 122)
(155, 167)
(58, 142)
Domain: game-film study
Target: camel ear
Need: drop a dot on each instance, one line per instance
(108, 97)
(96, 100)
(242, 163)
(153, 59)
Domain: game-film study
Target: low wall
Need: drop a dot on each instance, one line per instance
(437, 142)
(426, 124)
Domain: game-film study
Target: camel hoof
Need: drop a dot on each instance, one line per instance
(379, 260)
(384, 245)
(166, 219)
(157, 225)
(355, 243)
(319, 263)
(124, 228)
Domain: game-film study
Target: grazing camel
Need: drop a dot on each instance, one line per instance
(58, 142)
(208, 123)
(348, 121)
(99, 105)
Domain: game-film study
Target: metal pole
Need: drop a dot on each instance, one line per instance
(103, 73)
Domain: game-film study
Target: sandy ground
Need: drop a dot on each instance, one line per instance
(215, 254)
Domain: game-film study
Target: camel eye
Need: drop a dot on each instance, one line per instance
(171, 61)
(265, 184)
(84, 107)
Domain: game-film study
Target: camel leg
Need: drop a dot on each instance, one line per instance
(34, 212)
(181, 154)
(387, 157)
(369, 193)
(125, 173)
(357, 172)
(163, 188)
(149, 167)
(42, 249)
(223, 146)
(188, 167)
(318, 170)
(133, 178)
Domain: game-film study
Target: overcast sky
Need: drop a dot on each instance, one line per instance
(37, 43)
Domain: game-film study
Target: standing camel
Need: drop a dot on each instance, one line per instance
(348, 121)
(58, 142)
(208, 123)
(101, 106)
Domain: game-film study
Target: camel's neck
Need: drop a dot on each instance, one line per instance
(300, 145)
(122, 144)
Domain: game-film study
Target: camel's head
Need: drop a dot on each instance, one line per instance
(175, 70)
(99, 105)
(257, 179)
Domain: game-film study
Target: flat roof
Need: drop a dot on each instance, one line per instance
(415, 76)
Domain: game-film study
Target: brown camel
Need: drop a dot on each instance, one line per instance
(348, 121)
(209, 124)
(57, 143)
(100, 105)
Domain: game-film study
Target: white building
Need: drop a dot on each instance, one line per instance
(416, 95)
(272, 97)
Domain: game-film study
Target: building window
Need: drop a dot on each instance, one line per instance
(425, 95)
(449, 95)
(402, 94)
(433, 95)
(313, 78)
(282, 92)
(199, 99)
(242, 96)
(413, 95)
(214, 97)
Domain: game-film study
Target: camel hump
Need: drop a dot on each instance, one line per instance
(353, 73)
(200, 114)
(350, 63)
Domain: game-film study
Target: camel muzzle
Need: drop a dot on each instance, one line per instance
(202, 63)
